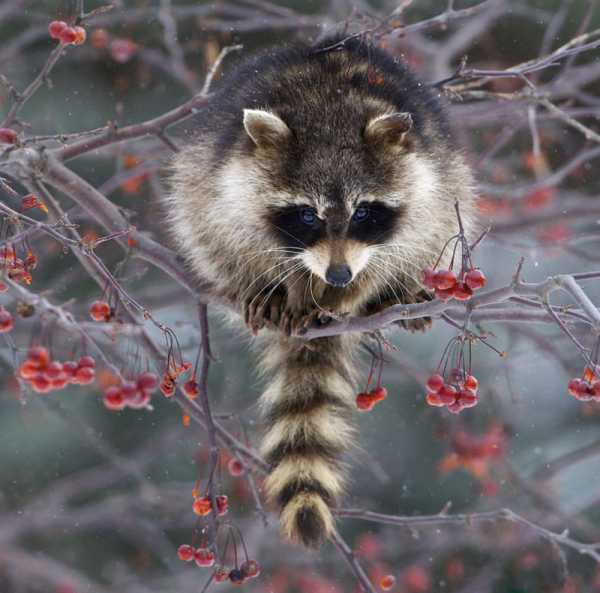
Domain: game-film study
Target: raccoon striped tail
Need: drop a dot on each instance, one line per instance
(308, 408)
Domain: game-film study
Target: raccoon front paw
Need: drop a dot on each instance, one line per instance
(263, 309)
(298, 322)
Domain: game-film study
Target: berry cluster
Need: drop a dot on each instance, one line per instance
(131, 394)
(366, 400)
(6, 321)
(458, 393)
(446, 284)
(205, 558)
(101, 311)
(169, 380)
(45, 375)
(16, 268)
(65, 34)
(475, 453)
(587, 388)
(202, 506)
(30, 201)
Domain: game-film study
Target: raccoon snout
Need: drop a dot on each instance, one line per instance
(338, 275)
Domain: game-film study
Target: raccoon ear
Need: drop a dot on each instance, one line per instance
(265, 128)
(388, 129)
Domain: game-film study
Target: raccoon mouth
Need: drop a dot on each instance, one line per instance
(338, 275)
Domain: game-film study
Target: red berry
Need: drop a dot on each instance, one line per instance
(39, 356)
(365, 402)
(467, 398)
(236, 576)
(204, 557)
(147, 382)
(113, 398)
(70, 367)
(475, 279)
(140, 400)
(53, 370)
(191, 389)
(84, 375)
(55, 28)
(68, 35)
(235, 467)
(434, 383)
(444, 279)
(575, 387)
(7, 136)
(100, 311)
(444, 295)
(461, 292)
(202, 506)
(387, 582)
(447, 395)
(28, 370)
(6, 321)
(456, 407)
(60, 382)
(3, 287)
(129, 390)
(87, 361)
(471, 383)
(40, 384)
(429, 278)
(167, 387)
(433, 399)
(596, 389)
(378, 394)
(185, 552)
(221, 574)
(589, 374)
(250, 569)
(222, 503)
(81, 35)
(30, 261)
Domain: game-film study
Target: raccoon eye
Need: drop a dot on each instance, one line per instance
(360, 214)
(308, 216)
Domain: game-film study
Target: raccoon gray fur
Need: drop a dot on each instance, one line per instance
(317, 182)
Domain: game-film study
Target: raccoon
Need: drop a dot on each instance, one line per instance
(317, 183)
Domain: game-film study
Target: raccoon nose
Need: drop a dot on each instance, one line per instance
(338, 275)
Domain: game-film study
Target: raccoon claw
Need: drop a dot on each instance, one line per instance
(265, 312)
(297, 323)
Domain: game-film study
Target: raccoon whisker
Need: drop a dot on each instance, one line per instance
(279, 263)
(402, 271)
(283, 277)
(381, 271)
(377, 261)
(312, 296)
(279, 278)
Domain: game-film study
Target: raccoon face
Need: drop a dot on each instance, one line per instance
(334, 242)
(334, 214)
